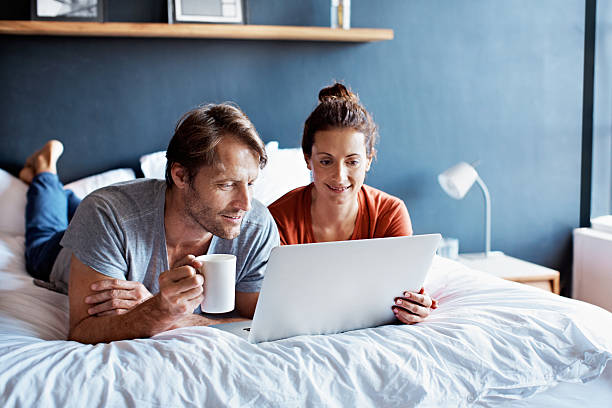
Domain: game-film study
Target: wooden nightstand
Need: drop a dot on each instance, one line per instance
(509, 268)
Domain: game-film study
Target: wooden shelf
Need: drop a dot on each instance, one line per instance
(219, 31)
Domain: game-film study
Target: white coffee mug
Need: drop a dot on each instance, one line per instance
(219, 271)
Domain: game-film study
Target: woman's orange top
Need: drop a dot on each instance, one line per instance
(380, 215)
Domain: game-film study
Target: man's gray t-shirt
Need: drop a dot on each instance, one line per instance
(119, 232)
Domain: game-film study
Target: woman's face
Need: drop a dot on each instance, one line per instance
(339, 164)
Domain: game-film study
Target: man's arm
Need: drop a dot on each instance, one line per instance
(246, 302)
(259, 246)
(180, 293)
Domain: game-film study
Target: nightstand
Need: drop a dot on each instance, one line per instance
(509, 268)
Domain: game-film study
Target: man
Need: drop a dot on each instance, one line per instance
(133, 239)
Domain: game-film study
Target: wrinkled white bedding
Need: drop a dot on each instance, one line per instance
(490, 342)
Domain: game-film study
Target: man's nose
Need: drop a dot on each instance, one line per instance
(243, 197)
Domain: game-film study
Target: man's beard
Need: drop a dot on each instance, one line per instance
(206, 217)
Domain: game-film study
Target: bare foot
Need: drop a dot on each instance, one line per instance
(42, 161)
(26, 174)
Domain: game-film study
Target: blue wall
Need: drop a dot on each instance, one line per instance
(495, 81)
(601, 203)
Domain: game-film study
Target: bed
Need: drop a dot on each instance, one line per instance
(490, 343)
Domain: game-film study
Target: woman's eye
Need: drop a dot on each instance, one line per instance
(353, 163)
(325, 162)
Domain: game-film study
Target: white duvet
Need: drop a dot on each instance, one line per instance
(489, 342)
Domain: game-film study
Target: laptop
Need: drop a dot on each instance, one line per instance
(332, 287)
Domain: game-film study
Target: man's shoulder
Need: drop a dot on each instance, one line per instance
(128, 190)
(129, 197)
(258, 216)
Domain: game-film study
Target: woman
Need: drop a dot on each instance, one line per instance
(339, 145)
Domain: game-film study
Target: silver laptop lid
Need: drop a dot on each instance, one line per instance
(332, 287)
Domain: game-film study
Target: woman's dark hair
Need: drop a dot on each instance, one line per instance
(340, 108)
(199, 131)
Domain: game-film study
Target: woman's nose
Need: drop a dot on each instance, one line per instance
(340, 172)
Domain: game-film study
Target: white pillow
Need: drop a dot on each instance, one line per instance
(86, 185)
(153, 165)
(13, 195)
(12, 204)
(285, 171)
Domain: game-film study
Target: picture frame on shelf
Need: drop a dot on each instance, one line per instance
(207, 11)
(67, 10)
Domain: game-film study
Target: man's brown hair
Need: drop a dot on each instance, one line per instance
(199, 131)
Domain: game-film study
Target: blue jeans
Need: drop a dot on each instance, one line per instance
(49, 209)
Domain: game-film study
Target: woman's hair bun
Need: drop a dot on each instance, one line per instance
(337, 92)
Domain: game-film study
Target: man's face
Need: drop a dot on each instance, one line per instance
(219, 196)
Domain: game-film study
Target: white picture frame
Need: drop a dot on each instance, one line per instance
(206, 11)
(64, 10)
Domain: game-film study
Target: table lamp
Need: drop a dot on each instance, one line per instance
(457, 181)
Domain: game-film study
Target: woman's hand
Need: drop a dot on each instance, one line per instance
(413, 307)
(115, 296)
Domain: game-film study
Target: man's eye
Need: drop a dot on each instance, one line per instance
(226, 186)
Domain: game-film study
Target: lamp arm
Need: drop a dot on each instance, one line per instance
(487, 198)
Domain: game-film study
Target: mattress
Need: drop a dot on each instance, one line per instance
(490, 343)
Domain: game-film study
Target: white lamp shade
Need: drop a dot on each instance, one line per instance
(458, 180)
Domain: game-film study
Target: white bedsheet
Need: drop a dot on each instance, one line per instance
(491, 342)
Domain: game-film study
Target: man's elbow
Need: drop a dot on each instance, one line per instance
(75, 334)
(81, 334)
